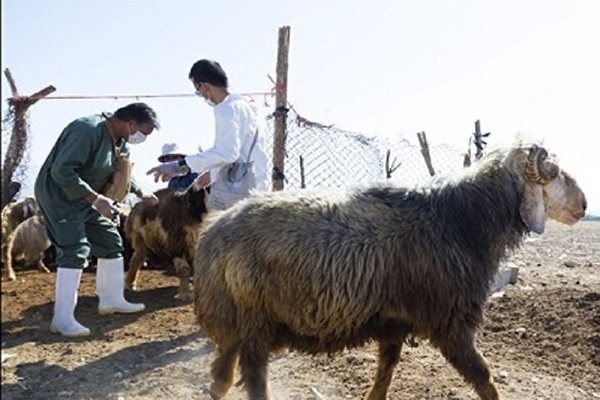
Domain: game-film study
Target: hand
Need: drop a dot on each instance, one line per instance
(105, 206)
(149, 198)
(166, 171)
(203, 180)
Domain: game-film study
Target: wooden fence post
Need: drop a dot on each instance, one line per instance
(479, 142)
(19, 105)
(280, 134)
(302, 176)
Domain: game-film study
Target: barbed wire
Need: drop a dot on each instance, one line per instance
(319, 155)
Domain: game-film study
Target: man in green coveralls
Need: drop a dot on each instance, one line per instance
(79, 219)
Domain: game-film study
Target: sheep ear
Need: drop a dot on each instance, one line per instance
(532, 208)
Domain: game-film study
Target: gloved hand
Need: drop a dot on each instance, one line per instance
(105, 206)
(166, 171)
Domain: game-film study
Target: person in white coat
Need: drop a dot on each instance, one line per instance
(238, 140)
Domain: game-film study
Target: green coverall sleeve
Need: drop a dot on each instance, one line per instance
(76, 148)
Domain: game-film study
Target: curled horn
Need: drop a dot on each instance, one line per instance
(538, 170)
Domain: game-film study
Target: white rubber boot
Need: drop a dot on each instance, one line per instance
(63, 321)
(110, 284)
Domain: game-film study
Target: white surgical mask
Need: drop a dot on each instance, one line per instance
(211, 103)
(137, 138)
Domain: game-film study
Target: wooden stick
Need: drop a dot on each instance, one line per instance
(302, 178)
(41, 94)
(279, 134)
(390, 168)
(11, 82)
(425, 152)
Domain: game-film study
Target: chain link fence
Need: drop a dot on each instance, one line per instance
(319, 155)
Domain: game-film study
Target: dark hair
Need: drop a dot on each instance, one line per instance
(210, 72)
(141, 113)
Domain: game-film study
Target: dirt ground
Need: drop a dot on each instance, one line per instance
(541, 339)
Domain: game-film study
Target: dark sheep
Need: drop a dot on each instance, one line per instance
(319, 272)
(167, 230)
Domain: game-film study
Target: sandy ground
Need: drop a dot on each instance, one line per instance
(541, 338)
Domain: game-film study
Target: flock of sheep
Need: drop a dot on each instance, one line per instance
(319, 271)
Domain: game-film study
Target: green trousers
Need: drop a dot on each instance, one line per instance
(80, 235)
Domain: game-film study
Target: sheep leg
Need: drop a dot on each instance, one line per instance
(254, 359)
(7, 247)
(135, 264)
(389, 355)
(223, 370)
(182, 269)
(460, 351)
(41, 266)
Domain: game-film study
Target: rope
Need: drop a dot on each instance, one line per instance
(131, 96)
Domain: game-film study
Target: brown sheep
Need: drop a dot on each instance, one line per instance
(15, 213)
(169, 231)
(318, 272)
(28, 242)
(12, 215)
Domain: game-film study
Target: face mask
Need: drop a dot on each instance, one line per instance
(207, 99)
(137, 138)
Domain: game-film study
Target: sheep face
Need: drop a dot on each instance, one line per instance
(549, 192)
(565, 201)
(30, 206)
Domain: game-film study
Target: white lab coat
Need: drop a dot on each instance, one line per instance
(236, 122)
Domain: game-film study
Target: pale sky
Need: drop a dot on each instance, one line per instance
(384, 68)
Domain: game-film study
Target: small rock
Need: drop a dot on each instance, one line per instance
(522, 332)
(66, 393)
(570, 264)
(118, 375)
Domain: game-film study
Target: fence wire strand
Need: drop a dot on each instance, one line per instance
(335, 158)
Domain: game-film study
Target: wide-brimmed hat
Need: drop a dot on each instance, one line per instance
(170, 149)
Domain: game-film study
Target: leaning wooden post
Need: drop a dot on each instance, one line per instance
(15, 151)
(390, 168)
(280, 134)
(425, 152)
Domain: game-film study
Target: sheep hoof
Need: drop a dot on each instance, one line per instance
(213, 395)
(10, 276)
(184, 296)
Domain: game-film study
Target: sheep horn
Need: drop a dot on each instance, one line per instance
(539, 170)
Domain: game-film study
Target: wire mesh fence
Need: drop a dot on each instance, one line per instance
(319, 155)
